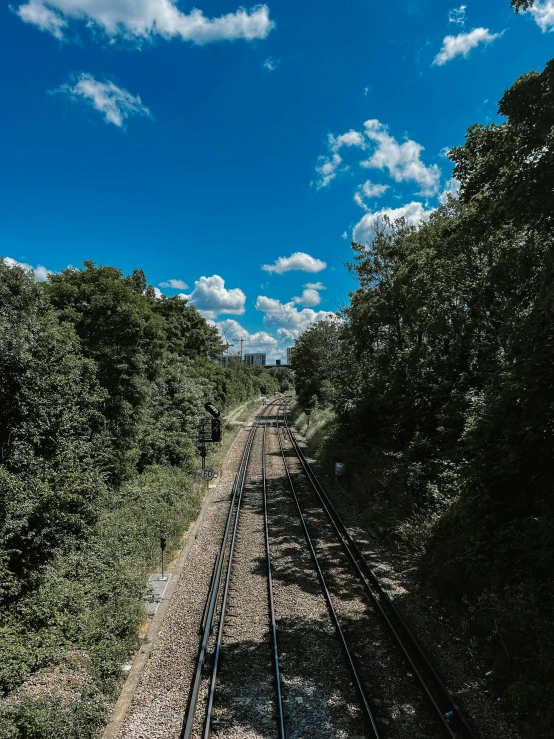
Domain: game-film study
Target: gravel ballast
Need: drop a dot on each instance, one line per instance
(320, 699)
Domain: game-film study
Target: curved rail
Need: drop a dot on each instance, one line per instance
(448, 711)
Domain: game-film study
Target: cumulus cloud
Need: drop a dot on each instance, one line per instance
(402, 161)
(368, 190)
(326, 170)
(232, 331)
(158, 293)
(344, 235)
(271, 64)
(308, 297)
(40, 273)
(290, 321)
(452, 187)
(350, 138)
(43, 17)
(210, 297)
(364, 231)
(328, 165)
(297, 261)
(174, 284)
(457, 15)
(462, 44)
(543, 15)
(315, 286)
(139, 20)
(114, 103)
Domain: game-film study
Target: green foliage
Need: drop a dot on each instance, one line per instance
(101, 388)
(315, 359)
(443, 393)
(284, 378)
(49, 717)
(521, 4)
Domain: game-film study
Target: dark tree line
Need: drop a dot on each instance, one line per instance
(441, 377)
(101, 388)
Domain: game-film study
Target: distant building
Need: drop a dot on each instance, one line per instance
(289, 352)
(251, 359)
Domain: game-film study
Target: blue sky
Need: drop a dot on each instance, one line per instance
(204, 145)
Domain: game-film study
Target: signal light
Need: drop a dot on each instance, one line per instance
(163, 539)
(216, 429)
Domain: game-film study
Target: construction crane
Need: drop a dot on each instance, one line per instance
(227, 345)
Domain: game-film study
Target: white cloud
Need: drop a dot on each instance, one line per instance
(115, 103)
(40, 273)
(452, 187)
(260, 341)
(368, 190)
(308, 297)
(457, 15)
(462, 44)
(271, 64)
(297, 261)
(326, 170)
(543, 15)
(413, 213)
(158, 293)
(289, 320)
(42, 17)
(233, 330)
(315, 286)
(344, 235)
(401, 160)
(328, 166)
(350, 138)
(174, 284)
(139, 20)
(211, 297)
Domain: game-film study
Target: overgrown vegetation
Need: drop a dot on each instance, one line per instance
(441, 384)
(101, 388)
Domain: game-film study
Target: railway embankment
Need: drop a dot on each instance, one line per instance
(476, 635)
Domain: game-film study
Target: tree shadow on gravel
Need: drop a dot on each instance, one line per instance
(396, 701)
(319, 701)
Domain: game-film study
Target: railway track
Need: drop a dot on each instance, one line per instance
(447, 713)
(240, 688)
(290, 644)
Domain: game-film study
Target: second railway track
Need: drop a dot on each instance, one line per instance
(300, 640)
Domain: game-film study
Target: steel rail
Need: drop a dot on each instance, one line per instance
(211, 695)
(188, 723)
(369, 579)
(271, 601)
(326, 593)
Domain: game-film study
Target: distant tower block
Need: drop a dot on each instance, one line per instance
(251, 359)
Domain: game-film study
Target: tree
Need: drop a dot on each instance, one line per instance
(51, 440)
(120, 330)
(314, 359)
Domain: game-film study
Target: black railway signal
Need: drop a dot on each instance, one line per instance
(212, 410)
(216, 429)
